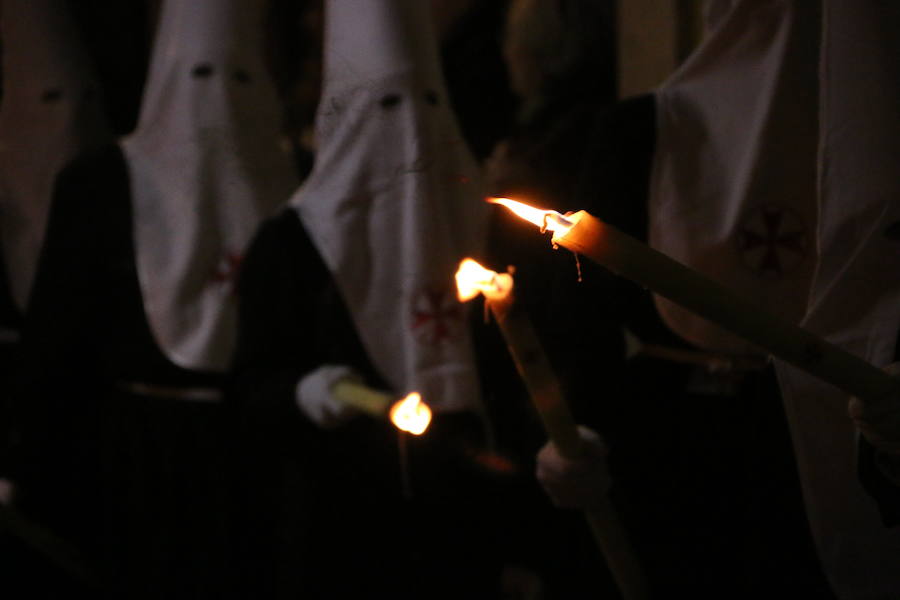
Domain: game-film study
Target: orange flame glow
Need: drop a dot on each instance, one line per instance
(472, 279)
(411, 414)
(547, 220)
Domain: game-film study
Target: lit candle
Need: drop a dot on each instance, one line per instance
(623, 255)
(546, 395)
(526, 351)
(410, 414)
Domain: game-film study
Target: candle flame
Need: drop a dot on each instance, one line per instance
(411, 414)
(472, 279)
(547, 220)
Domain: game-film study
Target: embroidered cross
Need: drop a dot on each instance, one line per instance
(227, 269)
(436, 316)
(772, 241)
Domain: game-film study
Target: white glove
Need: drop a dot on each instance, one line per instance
(879, 421)
(575, 483)
(314, 396)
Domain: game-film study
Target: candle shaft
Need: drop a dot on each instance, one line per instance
(546, 394)
(655, 271)
(362, 397)
(534, 368)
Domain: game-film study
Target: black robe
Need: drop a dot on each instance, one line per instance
(134, 481)
(10, 332)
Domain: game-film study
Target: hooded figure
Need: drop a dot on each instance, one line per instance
(732, 194)
(133, 315)
(770, 176)
(393, 202)
(51, 112)
(206, 167)
(355, 279)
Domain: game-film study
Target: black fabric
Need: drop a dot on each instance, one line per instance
(476, 76)
(885, 493)
(323, 513)
(134, 482)
(10, 330)
(24, 571)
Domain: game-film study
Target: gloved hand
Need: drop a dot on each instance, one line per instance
(879, 421)
(580, 483)
(314, 396)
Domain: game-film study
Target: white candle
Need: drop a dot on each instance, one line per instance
(623, 255)
(546, 396)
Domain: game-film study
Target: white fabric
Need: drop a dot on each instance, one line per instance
(394, 201)
(315, 397)
(206, 166)
(855, 300)
(50, 112)
(732, 190)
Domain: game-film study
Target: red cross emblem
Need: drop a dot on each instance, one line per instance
(772, 241)
(226, 270)
(436, 316)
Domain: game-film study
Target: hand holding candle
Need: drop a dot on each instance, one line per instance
(581, 482)
(410, 414)
(332, 394)
(584, 234)
(543, 387)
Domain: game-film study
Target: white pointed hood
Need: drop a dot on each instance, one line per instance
(732, 189)
(50, 112)
(206, 166)
(395, 199)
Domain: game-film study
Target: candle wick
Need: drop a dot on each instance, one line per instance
(495, 281)
(544, 224)
(578, 267)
